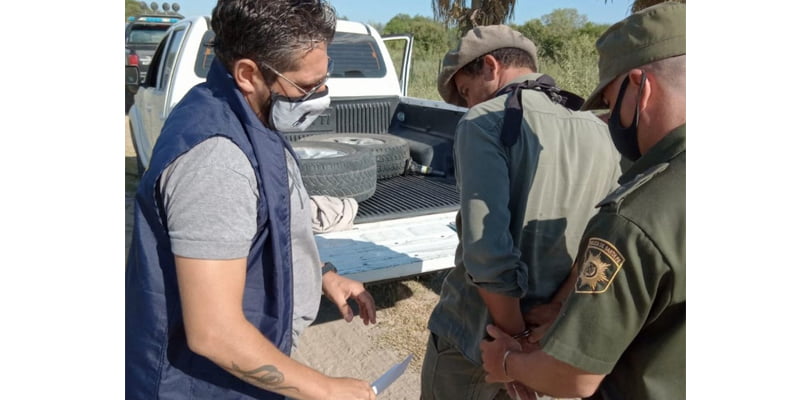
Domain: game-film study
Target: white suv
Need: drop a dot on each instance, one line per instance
(362, 67)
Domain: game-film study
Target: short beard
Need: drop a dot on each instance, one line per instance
(264, 111)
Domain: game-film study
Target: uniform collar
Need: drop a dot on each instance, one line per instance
(522, 78)
(670, 146)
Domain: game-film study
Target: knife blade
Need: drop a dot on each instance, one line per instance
(390, 375)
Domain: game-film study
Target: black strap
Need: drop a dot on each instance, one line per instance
(512, 121)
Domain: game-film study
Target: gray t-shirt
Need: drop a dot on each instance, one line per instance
(210, 195)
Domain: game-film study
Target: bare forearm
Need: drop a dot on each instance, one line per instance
(244, 352)
(546, 374)
(216, 328)
(505, 311)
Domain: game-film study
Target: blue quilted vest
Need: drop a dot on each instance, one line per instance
(158, 362)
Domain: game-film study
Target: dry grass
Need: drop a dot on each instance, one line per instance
(404, 308)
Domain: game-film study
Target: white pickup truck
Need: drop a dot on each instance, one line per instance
(406, 226)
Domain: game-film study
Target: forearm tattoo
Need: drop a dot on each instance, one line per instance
(267, 375)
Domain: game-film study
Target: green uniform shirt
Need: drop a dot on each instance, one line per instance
(523, 208)
(627, 315)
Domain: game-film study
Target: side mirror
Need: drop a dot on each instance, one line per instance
(132, 78)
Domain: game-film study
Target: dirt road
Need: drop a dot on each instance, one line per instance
(337, 348)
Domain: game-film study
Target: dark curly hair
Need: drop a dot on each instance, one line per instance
(275, 32)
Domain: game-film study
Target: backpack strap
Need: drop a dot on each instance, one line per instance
(512, 120)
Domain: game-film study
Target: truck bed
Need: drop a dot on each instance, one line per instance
(408, 226)
(408, 196)
(383, 250)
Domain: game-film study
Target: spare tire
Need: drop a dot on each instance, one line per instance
(295, 136)
(391, 152)
(336, 169)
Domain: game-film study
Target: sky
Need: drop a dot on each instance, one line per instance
(381, 11)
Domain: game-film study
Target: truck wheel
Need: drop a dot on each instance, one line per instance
(128, 100)
(139, 166)
(391, 152)
(336, 169)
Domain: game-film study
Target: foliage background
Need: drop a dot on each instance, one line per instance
(565, 40)
(132, 8)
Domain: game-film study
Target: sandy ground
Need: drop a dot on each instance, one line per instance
(338, 348)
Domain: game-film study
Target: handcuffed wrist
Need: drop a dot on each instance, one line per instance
(527, 332)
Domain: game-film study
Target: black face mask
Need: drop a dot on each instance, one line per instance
(625, 139)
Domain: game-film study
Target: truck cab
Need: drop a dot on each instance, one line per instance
(407, 226)
(143, 33)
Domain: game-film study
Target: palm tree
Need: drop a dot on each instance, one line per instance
(480, 12)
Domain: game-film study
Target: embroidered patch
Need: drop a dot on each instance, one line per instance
(601, 263)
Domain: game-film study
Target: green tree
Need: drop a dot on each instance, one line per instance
(639, 5)
(575, 69)
(430, 37)
(565, 42)
(564, 21)
(490, 12)
(133, 8)
(553, 32)
(592, 29)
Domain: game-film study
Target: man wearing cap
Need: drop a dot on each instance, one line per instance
(530, 168)
(621, 334)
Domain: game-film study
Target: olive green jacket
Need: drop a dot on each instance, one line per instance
(627, 315)
(523, 208)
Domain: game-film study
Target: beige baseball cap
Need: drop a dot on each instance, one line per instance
(477, 42)
(652, 34)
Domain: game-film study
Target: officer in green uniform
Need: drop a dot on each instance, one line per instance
(621, 333)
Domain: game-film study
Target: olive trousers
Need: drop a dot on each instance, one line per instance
(448, 375)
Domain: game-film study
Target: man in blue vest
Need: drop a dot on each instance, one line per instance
(223, 272)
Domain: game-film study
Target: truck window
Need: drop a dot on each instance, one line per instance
(356, 56)
(205, 55)
(171, 56)
(147, 34)
(155, 67)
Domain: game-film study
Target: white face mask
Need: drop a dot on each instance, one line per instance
(292, 115)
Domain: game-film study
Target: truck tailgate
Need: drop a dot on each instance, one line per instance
(377, 251)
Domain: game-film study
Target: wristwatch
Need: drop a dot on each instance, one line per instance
(328, 267)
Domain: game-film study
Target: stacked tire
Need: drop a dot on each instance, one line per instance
(391, 152)
(349, 164)
(335, 169)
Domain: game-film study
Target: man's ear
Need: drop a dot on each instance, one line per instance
(247, 75)
(491, 68)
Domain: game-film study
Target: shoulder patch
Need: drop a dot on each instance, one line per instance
(599, 266)
(619, 193)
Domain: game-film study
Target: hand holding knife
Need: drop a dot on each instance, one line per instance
(390, 375)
